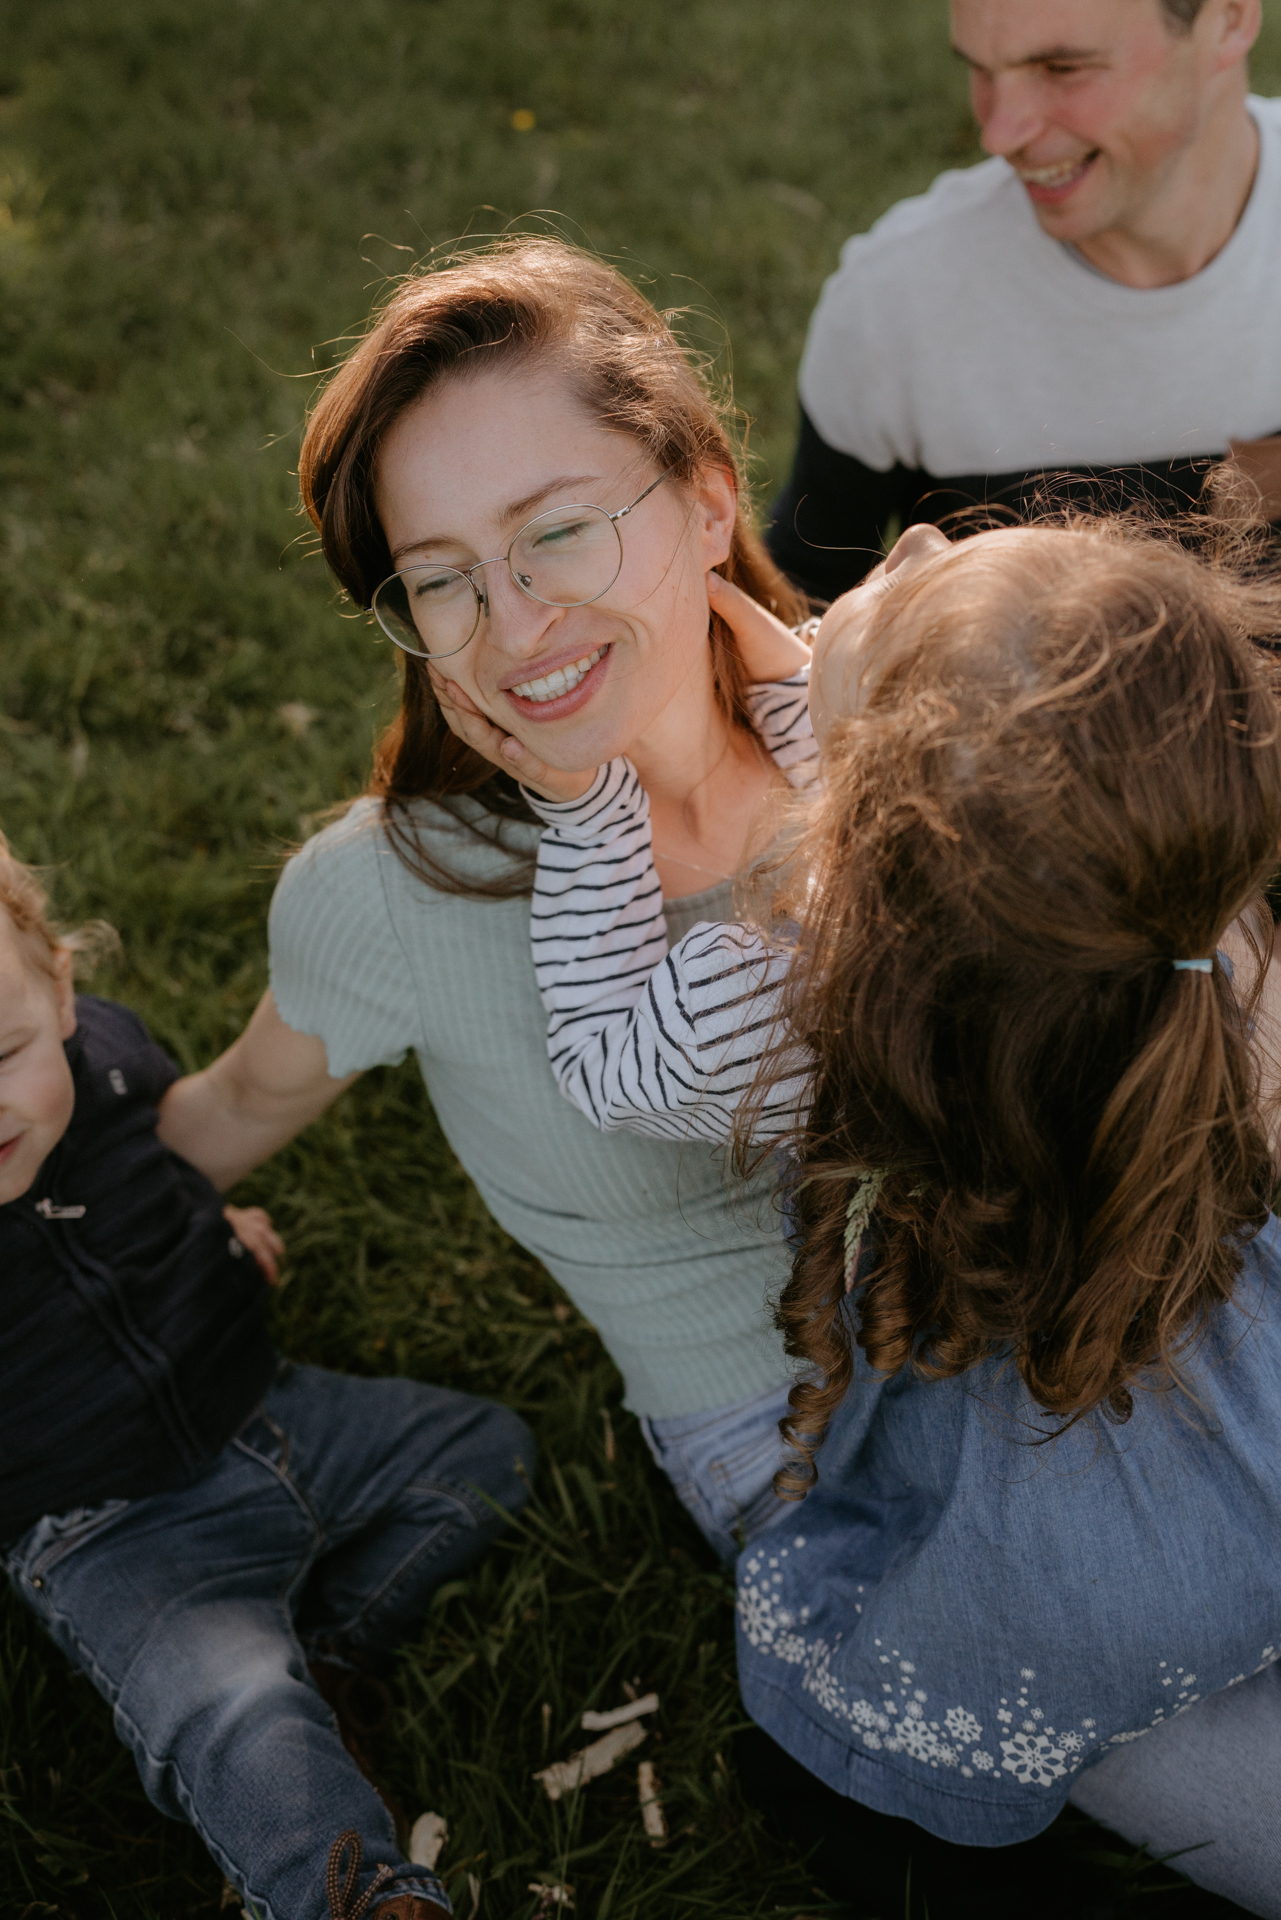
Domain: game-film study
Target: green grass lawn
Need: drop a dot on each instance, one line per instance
(197, 205)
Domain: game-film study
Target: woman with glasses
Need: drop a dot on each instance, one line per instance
(521, 476)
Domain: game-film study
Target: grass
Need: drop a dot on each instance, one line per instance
(196, 206)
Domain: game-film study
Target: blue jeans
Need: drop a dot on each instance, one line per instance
(722, 1464)
(330, 1518)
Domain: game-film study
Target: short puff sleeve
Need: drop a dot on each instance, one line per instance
(338, 968)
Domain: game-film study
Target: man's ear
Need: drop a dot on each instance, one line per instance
(716, 506)
(1235, 26)
(64, 987)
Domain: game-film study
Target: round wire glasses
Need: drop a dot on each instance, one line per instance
(565, 558)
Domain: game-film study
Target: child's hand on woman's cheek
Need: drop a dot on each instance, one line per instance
(252, 1227)
(504, 750)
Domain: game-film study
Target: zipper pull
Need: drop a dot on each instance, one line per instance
(50, 1212)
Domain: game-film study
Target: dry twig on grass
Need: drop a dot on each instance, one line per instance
(429, 1834)
(566, 1776)
(653, 1818)
(593, 1722)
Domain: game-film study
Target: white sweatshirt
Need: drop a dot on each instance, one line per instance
(957, 337)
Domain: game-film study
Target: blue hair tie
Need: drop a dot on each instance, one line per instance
(1193, 966)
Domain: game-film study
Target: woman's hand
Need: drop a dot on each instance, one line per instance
(504, 750)
(768, 649)
(252, 1227)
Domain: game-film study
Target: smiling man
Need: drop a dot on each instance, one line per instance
(1101, 299)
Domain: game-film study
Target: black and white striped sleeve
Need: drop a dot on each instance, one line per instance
(780, 711)
(662, 1043)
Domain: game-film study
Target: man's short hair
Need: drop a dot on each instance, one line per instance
(1182, 13)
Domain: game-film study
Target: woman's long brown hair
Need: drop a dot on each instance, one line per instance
(523, 299)
(1067, 775)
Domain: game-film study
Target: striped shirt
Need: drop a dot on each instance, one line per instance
(663, 1043)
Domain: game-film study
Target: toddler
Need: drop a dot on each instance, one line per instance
(191, 1518)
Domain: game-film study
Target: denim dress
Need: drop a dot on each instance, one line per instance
(965, 1613)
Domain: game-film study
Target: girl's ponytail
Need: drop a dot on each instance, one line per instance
(1176, 1160)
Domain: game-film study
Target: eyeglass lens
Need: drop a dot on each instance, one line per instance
(564, 558)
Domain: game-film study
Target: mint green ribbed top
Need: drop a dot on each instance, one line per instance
(671, 1259)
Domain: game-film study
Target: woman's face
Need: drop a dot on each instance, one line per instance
(464, 469)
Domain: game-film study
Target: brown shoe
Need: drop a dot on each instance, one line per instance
(340, 1885)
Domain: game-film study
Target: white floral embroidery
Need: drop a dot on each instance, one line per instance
(962, 1726)
(1033, 1758)
(754, 1614)
(1036, 1756)
(1185, 1699)
(819, 1682)
(915, 1739)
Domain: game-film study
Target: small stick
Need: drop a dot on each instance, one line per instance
(566, 1776)
(429, 1834)
(653, 1818)
(593, 1722)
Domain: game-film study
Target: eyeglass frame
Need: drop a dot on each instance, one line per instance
(482, 598)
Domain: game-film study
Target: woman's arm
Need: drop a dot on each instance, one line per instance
(270, 1084)
(665, 1044)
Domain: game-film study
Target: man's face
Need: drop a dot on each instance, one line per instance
(1094, 102)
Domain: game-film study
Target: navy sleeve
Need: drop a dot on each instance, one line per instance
(116, 1040)
(827, 527)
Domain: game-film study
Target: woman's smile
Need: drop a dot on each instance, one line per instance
(561, 687)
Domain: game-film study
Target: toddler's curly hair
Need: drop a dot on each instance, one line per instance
(24, 898)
